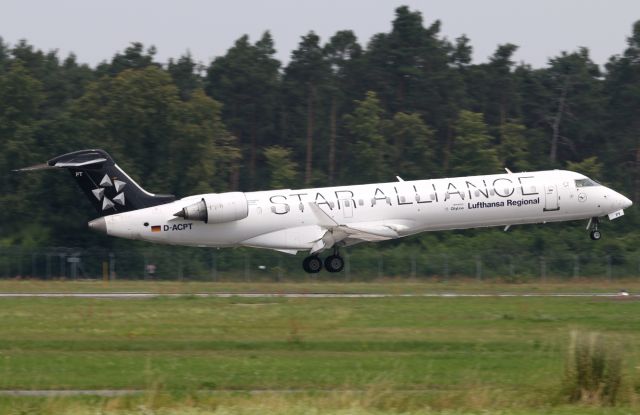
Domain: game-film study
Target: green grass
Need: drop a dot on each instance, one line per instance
(374, 355)
(238, 404)
(317, 285)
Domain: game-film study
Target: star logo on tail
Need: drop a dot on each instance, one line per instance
(107, 183)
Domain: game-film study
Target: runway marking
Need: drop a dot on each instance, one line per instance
(137, 295)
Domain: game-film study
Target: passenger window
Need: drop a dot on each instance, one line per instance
(286, 210)
(332, 205)
(417, 197)
(402, 199)
(433, 196)
(477, 193)
(347, 204)
(361, 202)
(388, 200)
(301, 207)
(492, 192)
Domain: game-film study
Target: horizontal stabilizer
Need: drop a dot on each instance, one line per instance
(42, 166)
(80, 163)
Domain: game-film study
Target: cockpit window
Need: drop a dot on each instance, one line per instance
(586, 182)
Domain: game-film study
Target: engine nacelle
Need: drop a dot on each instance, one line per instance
(217, 208)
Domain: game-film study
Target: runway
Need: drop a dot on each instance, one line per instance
(142, 295)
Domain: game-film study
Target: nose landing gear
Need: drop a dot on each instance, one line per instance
(333, 263)
(595, 233)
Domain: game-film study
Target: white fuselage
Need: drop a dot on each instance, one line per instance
(294, 220)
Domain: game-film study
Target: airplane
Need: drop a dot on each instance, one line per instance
(326, 219)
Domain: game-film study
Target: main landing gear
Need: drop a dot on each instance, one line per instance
(312, 264)
(333, 263)
(595, 233)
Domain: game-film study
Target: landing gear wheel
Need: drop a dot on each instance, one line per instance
(334, 263)
(312, 264)
(595, 233)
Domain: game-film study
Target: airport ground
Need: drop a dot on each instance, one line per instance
(422, 355)
(308, 284)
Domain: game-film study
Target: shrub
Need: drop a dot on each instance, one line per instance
(593, 372)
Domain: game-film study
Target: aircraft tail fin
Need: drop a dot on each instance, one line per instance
(107, 186)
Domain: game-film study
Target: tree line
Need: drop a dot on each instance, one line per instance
(408, 102)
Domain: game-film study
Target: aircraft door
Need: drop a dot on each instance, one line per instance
(551, 198)
(347, 207)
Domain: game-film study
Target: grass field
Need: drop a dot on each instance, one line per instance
(311, 285)
(307, 355)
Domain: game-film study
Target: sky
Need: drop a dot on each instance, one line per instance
(96, 30)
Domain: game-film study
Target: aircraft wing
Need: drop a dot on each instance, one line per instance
(351, 233)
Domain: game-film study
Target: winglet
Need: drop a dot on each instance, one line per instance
(508, 171)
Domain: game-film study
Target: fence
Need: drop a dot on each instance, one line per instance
(200, 264)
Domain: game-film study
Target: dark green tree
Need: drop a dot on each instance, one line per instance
(461, 53)
(412, 145)
(203, 157)
(307, 73)
(590, 166)
(183, 73)
(365, 125)
(133, 57)
(4, 55)
(282, 170)
(343, 53)
(576, 108)
(134, 114)
(246, 80)
(513, 149)
(473, 152)
(622, 136)
(21, 97)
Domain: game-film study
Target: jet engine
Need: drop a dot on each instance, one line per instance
(217, 208)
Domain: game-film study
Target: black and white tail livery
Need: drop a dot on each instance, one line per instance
(107, 186)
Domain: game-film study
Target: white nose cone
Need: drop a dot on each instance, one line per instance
(99, 225)
(626, 202)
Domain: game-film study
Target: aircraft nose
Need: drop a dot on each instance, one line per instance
(99, 225)
(620, 201)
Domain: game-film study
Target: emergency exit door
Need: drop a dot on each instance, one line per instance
(347, 207)
(551, 198)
